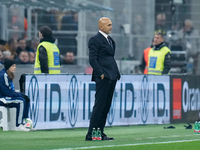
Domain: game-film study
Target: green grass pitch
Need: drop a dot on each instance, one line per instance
(140, 137)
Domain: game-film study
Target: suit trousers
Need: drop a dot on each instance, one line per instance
(103, 99)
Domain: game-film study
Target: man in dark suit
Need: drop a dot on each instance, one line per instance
(105, 74)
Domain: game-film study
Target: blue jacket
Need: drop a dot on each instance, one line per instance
(6, 86)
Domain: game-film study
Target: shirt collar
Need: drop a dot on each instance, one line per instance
(104, 34)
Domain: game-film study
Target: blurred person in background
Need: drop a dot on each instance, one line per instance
(23, 58)
(6, 55)
(144, 63)
(69, 23)
(138, 28)
(138, 24)
(69, 58)
(160, 25)
(34, 44)
(12, 46)
(28, 45)
(52, 20)
(47, 58)
(189, 38)
(1, 57)
(159, 56)
(31, 57)
(2, 44)
(21, 45)
(31, 45)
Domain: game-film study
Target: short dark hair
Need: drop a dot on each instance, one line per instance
(10, 41)
(19, 39)
(45, 31)
(23, 51)
(2, 42)
(161, 34)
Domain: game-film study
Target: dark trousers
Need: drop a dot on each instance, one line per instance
(103, 99)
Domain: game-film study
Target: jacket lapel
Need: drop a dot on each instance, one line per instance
(110, 50)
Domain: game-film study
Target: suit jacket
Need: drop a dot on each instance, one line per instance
(101, 58)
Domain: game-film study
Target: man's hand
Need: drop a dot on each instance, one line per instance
(102, 76)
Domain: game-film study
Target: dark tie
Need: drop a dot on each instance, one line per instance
(110, 41)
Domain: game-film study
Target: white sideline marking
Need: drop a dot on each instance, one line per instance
(175, 135)
(127, 145)
(138, 138)
(151, 137)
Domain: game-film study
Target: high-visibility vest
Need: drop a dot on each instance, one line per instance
(156, 60)
(53, 55)
(146, 57)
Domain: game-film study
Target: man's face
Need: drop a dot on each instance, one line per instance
(24, 57)
(14, 45)
(1, 47)
(69, 57)
(22, 44)
(106, 26)
(1, 55)
(35, 44)
(160, 19)
(188, 26)
(157, 39)
(31, 57)
(40, 36)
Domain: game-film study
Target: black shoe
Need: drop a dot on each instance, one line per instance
(88, 138)
(104, 137)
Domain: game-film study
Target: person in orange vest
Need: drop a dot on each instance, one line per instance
(144, 63)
